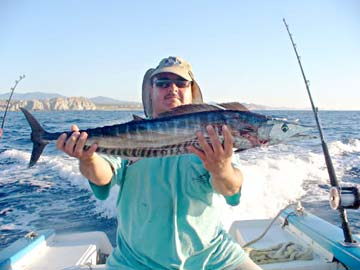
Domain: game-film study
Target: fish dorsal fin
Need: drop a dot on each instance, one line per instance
(138, 118)
(203, 107)
(189, 108)
(235, 106)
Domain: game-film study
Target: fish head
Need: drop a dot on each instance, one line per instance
(277, 131)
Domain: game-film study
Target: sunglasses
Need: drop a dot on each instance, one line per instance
(165, 83)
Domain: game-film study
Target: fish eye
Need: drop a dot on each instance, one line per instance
(284, 127)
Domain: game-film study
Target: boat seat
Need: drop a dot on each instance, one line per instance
(68, 251)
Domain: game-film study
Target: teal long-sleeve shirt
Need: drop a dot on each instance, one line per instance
(168, 216)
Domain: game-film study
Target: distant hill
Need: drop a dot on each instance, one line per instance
(52, 104)
(111, 101)
(254, 107)
(44, 101)
(30, 96)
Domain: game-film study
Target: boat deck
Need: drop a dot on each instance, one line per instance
(246, 231)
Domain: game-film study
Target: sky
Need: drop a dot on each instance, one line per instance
(239, 50)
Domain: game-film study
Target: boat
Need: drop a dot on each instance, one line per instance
(321, 241)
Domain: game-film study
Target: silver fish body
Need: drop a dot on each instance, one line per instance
(172, 133)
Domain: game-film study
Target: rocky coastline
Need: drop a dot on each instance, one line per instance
(64, 104)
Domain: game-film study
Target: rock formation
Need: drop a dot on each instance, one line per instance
(54, 104)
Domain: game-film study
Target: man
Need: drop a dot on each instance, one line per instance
(168, 216)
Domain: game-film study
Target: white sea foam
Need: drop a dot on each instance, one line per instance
(339, 147)
(8, 227)
(16, 155)
(67, 168)
(277, 176)
(269, 185)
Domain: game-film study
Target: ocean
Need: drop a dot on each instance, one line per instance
(53, 194)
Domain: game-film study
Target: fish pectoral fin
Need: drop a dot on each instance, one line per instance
(138, 118)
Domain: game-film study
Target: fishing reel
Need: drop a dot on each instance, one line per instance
(346, 197)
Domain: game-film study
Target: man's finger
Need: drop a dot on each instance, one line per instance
(204, 144)
(71, 142)
(228, 140)
(60, 143)
(214, 139)
(79, 146)
(74, 128)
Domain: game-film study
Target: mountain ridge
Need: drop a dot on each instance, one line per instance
(100, 102)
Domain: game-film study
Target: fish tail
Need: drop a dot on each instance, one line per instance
(36, 137)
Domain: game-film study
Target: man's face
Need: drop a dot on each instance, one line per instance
(169, 91)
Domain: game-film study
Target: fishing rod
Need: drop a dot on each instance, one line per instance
(340, 197)
(8, 101)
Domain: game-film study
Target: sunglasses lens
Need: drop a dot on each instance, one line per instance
(162, 83)
(165, 83)
(182, 84)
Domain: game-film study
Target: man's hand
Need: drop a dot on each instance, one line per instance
(92, 166)
(217, 160)
(74, 145)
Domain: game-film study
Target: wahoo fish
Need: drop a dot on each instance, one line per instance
(173, 131)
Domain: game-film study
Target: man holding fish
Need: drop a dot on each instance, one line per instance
(168, 216)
